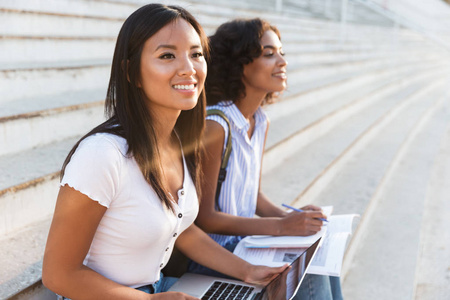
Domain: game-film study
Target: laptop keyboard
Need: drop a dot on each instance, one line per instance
(224, 291)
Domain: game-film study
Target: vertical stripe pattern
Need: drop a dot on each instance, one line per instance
(239, 191)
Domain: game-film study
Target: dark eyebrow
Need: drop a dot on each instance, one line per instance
(166, 46)
(269, 46)
(174, 47)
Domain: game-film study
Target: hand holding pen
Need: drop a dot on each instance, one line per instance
(301, 210)
(304, 223)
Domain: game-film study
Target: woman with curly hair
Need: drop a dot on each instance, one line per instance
(247, 69)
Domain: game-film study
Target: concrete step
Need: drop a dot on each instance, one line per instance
(29, 184)
(21, 260)
(284, 115)
(23, 52)
(28, 191)
(319, 71)
(38, 105)
(356, 12)
(237, 9)
(241, 5)
(52, 81)
(110, 11)
(88, 9)
(333, 172)
(330, 28)
(385, 257)
(311, 58)
(306, 172)
(298, 82)
(289, 133)
(35, 23)
(48, 126)
(432, 271)
(21, 47)
(314, 24)
(56, 18)
(316, 91)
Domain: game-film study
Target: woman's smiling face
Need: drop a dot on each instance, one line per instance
(267, 73)
(173, 68)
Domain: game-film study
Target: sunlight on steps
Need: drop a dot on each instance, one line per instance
(363, 125)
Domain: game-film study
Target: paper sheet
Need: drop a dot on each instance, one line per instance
(328, 259)
(282, 241)
(272, 257)
(268, 241)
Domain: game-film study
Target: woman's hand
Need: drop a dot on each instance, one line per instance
(301, 223)
(172, 295)
(311, 207)
(262, 275)
(277, 288)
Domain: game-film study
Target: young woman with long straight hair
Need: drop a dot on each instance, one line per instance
(129, 187)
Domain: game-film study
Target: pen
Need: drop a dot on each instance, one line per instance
(301, 210)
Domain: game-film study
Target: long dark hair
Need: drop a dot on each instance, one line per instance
(125, 105)
(234, 44)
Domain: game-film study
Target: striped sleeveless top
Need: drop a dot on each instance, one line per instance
(239, 191)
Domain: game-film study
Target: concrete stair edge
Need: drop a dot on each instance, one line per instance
(315, 187)
(366, 217)
(306, 135)
(411, 165)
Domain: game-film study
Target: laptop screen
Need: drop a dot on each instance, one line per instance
(286, 284)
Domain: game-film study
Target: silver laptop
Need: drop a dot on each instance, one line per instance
(284, 286)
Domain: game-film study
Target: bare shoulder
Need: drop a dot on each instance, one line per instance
(214, 135)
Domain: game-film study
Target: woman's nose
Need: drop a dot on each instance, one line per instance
(186, 67)
(282, 61)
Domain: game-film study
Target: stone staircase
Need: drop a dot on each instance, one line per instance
(362, 126)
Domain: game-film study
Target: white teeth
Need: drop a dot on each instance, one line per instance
(184, 87)
(282, 75)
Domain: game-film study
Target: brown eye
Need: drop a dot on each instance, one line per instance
(166, 56)
(197, 54)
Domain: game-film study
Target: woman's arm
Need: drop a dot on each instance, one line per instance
(211, 220)
(266, 208)
(74, 224)
(198, 246)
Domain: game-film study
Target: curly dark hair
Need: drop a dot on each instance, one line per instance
(235, 44)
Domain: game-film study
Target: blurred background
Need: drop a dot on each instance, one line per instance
(363, 126)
